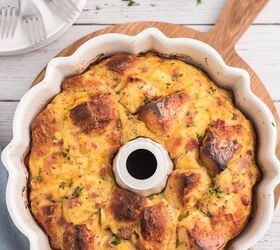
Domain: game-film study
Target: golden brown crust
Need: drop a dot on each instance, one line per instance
(49, 217)
(153, 223)
(95, 114)
(218, 146)
(207, 240)
(185, 187)
(185, 183)
(78, 237)
(125, 205)
(43, 128)
(156, 227)
(79, 83)
(158, 115)
(121, 62)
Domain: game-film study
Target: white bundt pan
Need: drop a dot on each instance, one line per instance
(190, 50)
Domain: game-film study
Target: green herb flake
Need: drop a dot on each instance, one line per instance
(183, 215)
(71, 183)
(61, 185)
(54, 139)
(77, 192)
(207, 213)
(142, 53)
(176, 76)
(253, 161)
(198, 2)
(38, 178)
(65, 154)
(199, 137)
(117, 80)
(116, 240)
(147, 100)
(273, 124)
(216, 191)
(129, 2)
(212, 90)
(178, 242)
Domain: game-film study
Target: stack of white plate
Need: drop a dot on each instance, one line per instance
(55, 27)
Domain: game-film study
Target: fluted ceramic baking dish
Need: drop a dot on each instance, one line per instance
(189, 50)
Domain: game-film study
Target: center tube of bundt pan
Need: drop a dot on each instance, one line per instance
(142, 166)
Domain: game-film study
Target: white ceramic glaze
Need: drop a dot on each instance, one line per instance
(192, 51)
(55, 26)
(152, 185)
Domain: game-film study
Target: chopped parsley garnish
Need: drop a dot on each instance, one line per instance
(212, 90)
(198, 2)
(199, 137)
(178, 242)
(176, 76)
(183, 215)
(181, 96)
(119, 125)
(65, 153)
(130, 2)
(77, 192)
(61, 185)
(117, 80)
(273, 124)
(207, 213)
(38, 178)
(216, 191)
(54, 140)
(147, 100)
(116, 240)
(142, 53)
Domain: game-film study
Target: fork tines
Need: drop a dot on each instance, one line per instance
(9, 14)
(34, 24)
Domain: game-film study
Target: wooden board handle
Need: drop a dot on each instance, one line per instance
(234, 20)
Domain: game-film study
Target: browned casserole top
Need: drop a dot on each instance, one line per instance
(73, 194)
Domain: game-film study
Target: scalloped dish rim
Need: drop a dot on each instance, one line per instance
(192, 51)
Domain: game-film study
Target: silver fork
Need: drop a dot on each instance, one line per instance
(9, 15)
(33, 23)
(65, 8)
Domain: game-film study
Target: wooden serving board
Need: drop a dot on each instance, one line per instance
(233, 22)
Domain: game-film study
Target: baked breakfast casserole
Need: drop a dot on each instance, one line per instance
(72, 191)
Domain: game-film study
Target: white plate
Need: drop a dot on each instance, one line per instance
(55, 27)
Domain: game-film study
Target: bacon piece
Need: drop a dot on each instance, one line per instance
(125, 233)
(191, 144)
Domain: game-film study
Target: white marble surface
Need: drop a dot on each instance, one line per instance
(259, 46)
